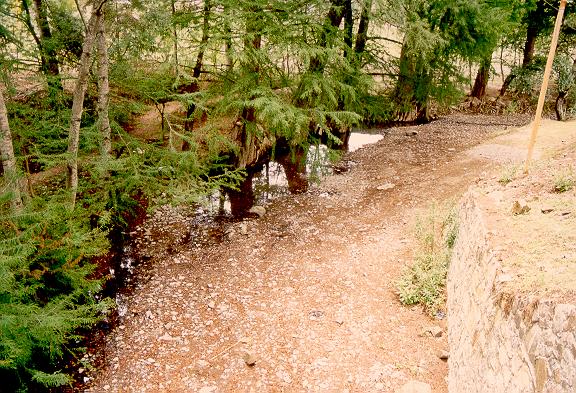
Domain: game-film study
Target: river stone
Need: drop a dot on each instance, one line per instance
(260, 210)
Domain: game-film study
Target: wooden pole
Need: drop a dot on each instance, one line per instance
(544, 88)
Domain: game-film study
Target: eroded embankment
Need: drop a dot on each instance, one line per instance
(511, 287)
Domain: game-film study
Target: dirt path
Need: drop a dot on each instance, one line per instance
(307, 291)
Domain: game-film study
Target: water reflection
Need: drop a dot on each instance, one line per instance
(287, 174)
(359, 139)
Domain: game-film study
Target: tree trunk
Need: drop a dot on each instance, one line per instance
(242, 200)
(348, 28)
(362, 35)
(228, 49)
(560, 106)
(412, 88)
(333, 20)
(103, 89)
(294, 165)
(482, 78)
(404, 90)
(50, 64)
(78, 102)
(196, 72)
(8, 158)
(251, 148)
(532, 31)
(175, 36)
(529, 45)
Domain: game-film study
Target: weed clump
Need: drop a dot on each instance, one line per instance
(564, 181)
(424, 281)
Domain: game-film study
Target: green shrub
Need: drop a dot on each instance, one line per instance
(46, 293)
(564, 181)
(424, 281)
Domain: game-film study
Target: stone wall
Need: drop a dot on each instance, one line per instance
(501, 340)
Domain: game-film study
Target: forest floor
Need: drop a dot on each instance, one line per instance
(304, 299)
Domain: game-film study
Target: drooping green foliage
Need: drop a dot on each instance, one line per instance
(45, 291)
(437, 35)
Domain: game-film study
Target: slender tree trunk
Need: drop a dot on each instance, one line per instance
(560, 106)
(482, 77)
(362, 35)
(228, 47)
(78, 102)
(529, 45)
(249, 145)
(532, 32)
(333, 20)
(348, 28)
(197, 71)
(103, 88)
(404, 91)
(50, 64)
(8, 158)
(175, 36)
(81, 15)
(27, 19)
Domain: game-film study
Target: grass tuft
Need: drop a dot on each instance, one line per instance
(424, 281)
(564, 181)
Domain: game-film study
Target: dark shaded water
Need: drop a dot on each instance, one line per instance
(285, 175)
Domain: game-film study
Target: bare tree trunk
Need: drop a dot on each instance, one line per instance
(196, 72)
(78, 102)
(8, 158)
(560, 106)
(50, 64)
(175, 36)
(348, 28)
(482, 77)
(228, 47)
(532, 31)
(332, 21)
(103, 89)
(362, 35)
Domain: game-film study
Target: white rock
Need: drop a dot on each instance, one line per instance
(260, 210)
(384, 187)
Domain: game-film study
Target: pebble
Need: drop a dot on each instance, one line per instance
(384, 187)
(259, 210)
(520, 207)
(249, 359)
